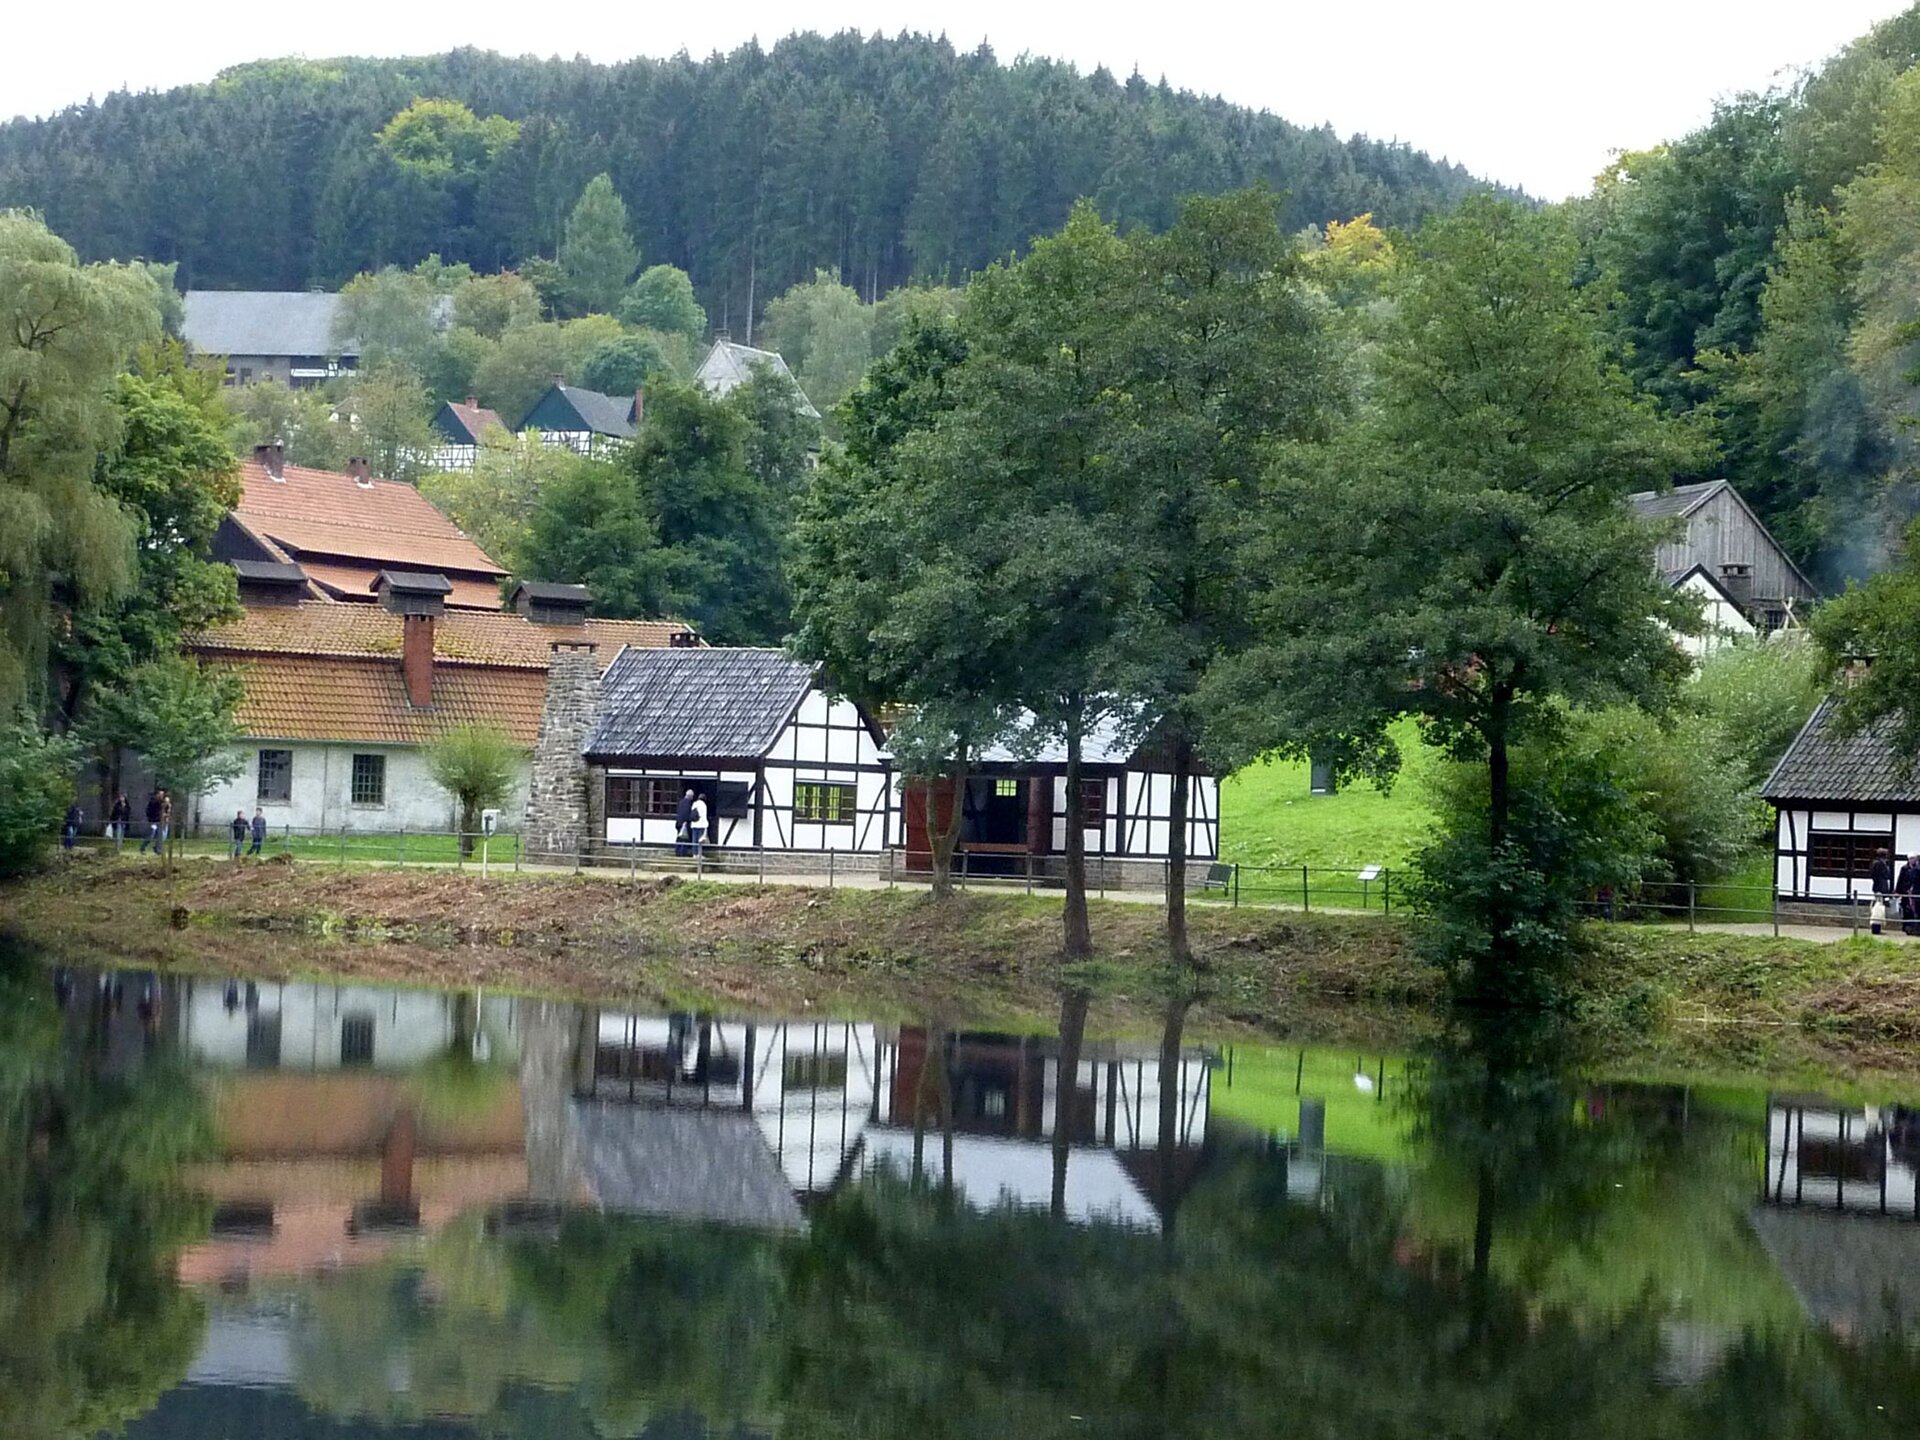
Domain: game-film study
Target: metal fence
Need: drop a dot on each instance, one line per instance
(1695, 904)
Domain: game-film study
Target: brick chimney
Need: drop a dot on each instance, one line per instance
(416, 659)
(272, 457)
(362, 472)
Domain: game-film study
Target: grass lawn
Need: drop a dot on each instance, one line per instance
(369, 848)
(1269, 818)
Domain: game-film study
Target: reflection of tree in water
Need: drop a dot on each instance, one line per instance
(94, 1326)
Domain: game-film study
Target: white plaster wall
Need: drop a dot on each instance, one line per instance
(321, 796)
(1724, 622)
(408, 1026)
(652, 830)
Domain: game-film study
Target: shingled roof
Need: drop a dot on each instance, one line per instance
(1822, 765)
(263, 322)
(696, 703)
(1680, 500)
(728, 365)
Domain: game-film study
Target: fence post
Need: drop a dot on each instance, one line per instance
(1306, 892)
(519, 849)
(763, 865)
(633, 861)
(1692, 900)
(403, 844)
(1774, 905)
(343, 845)
(829, 867)
(286, 838)
(1029, 859)
(459, 850)
(761, 851)
(1236, 905)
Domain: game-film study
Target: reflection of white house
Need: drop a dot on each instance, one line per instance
(1859, 1159)
(304, 1026)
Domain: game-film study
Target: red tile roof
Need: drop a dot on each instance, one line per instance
(326, 671)
(475, 419)
(345, 581)
(320, 512)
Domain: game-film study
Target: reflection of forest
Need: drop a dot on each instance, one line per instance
(1551, 1257)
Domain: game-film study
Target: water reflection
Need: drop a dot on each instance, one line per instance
(303, 1209)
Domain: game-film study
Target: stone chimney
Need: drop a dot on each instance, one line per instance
(362, 472)
(558, 799)
(1737, 581)
(416, 659)
(272, 457)
(684, 640)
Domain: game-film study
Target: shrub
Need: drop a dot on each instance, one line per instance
(36, 787)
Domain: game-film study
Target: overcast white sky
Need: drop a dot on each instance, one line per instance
(1532, 92)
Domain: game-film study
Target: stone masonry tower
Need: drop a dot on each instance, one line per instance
(557, 820)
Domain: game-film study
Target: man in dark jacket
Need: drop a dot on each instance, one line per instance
(70, 832)
(259, 830)
(1907, 887)
(153, 836)
(117, 819)
(1880, 874)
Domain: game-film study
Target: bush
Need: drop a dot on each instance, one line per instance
(36, 787)
(1758, 693)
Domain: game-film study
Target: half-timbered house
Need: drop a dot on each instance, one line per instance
(781, 763)
(1015, 807)
(1837, 800)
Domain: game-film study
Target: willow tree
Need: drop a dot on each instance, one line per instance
(66, 330)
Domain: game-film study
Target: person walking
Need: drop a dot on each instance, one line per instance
(683, 825)
(239, 829)
(164, 829)
(698, 825)
(70, 831)
(1907, 887)
(152, 837)
(117, 819)
(259, 830)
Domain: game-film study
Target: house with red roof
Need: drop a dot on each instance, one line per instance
(343, 528)
(459, 427)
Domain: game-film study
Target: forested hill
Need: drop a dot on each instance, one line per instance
(882, 159)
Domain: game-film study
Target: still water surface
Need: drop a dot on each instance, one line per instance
(295, 1210)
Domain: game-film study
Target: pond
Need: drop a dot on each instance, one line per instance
(235, 1209)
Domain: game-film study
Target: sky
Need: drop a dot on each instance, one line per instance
(1535, 93)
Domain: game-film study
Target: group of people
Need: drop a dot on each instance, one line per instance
(244, 830)
(690, 823)
(1898, 888)
(120, 822)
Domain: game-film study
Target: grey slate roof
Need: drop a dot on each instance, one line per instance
(419, 582)
(263, 322)
(553, 593)
(728, 365)
(1821, 765)
(603, 414)
(688, 1164)
(1680, 500)
(1106, 742)
(714, 703)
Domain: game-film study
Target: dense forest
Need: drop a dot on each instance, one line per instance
(881, 160)
(1760, 276)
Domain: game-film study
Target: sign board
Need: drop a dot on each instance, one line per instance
(489, 821)
(1371, 872)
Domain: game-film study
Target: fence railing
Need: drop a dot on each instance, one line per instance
(1694, 904)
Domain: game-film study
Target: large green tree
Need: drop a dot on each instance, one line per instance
(598, 255)
(1472, 560)
(66, 330)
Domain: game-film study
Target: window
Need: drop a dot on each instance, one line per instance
(369, 779)
(356, 1040)
(1776, 619)
(822, 800)
(276, 777)
(641, 797)
(1844, 854)
(1006, 789)
(1093, 801)
(263, 1041)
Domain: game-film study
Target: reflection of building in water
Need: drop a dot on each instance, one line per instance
(1838, 1211)
(1007, 1107)
(1855, 1159)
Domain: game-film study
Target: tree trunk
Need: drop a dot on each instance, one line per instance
(1066, 1089)
(943, 839)
(1499, 820)
(1167, 1175)
(469, 822)
(1079, 929)
(1179, 950)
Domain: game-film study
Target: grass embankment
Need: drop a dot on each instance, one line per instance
(1660, 998)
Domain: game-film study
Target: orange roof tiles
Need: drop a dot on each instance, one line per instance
(326, 513)
(483, 637)
(309, 697)
(326, 671)
(355, 582)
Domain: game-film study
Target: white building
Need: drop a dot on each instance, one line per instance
(1838, 801)
(780, 763)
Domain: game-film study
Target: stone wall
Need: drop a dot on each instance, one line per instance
(557, 813)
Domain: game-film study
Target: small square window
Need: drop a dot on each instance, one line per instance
(825, 801)
(369, 779)
(1093, 802)
(275, 785)
(1006, 789)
